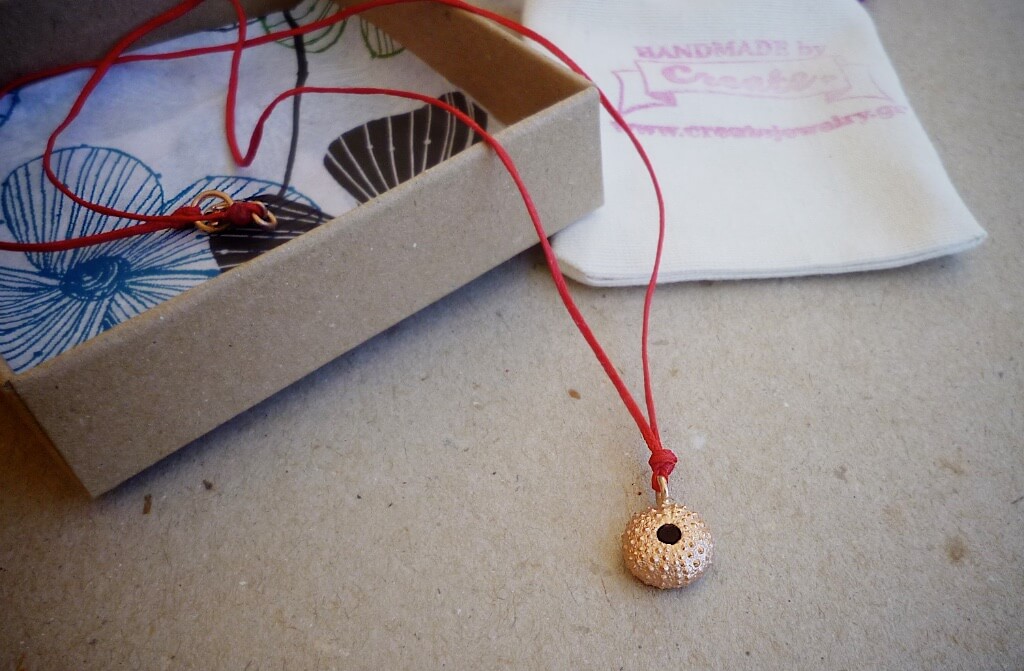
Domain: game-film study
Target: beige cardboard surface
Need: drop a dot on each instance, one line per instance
(437, 499)
(129, 397)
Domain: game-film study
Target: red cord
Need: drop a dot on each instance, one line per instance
(662, 461)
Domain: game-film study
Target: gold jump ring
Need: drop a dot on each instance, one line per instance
(218, 225)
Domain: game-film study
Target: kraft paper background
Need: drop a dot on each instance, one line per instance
(439, 499)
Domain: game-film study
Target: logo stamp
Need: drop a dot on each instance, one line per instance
(769, 70)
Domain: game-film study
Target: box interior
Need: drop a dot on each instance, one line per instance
(137, 392)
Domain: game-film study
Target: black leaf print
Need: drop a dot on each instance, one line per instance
(370, 159)
(236, 246)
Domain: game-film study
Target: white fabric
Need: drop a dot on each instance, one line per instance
(150, 139)
(782, 137)
(171, 115)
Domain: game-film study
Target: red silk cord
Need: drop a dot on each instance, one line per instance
(662, 460)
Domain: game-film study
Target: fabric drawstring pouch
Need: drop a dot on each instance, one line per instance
(782, 137)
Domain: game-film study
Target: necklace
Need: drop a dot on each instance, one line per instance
(667, 545)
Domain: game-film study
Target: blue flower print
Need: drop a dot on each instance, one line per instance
(7, 105)
(50, 302)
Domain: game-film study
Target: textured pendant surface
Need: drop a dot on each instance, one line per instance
(667, 545)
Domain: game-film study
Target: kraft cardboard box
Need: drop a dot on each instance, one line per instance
(123, 400)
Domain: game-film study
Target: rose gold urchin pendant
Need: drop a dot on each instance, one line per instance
(667, 545)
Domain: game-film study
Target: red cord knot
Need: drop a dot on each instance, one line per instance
(662, 462)
(191, 211)
(249, 213)
(242, 212)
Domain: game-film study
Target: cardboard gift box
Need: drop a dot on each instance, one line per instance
(139, 391)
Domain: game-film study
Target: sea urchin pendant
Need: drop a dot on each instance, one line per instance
(667, 545)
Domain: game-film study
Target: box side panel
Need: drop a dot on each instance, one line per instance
(38, 34)
(136, 393)
(476, 55)
(16, 419)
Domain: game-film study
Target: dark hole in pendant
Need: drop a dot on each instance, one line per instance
(669, 534)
